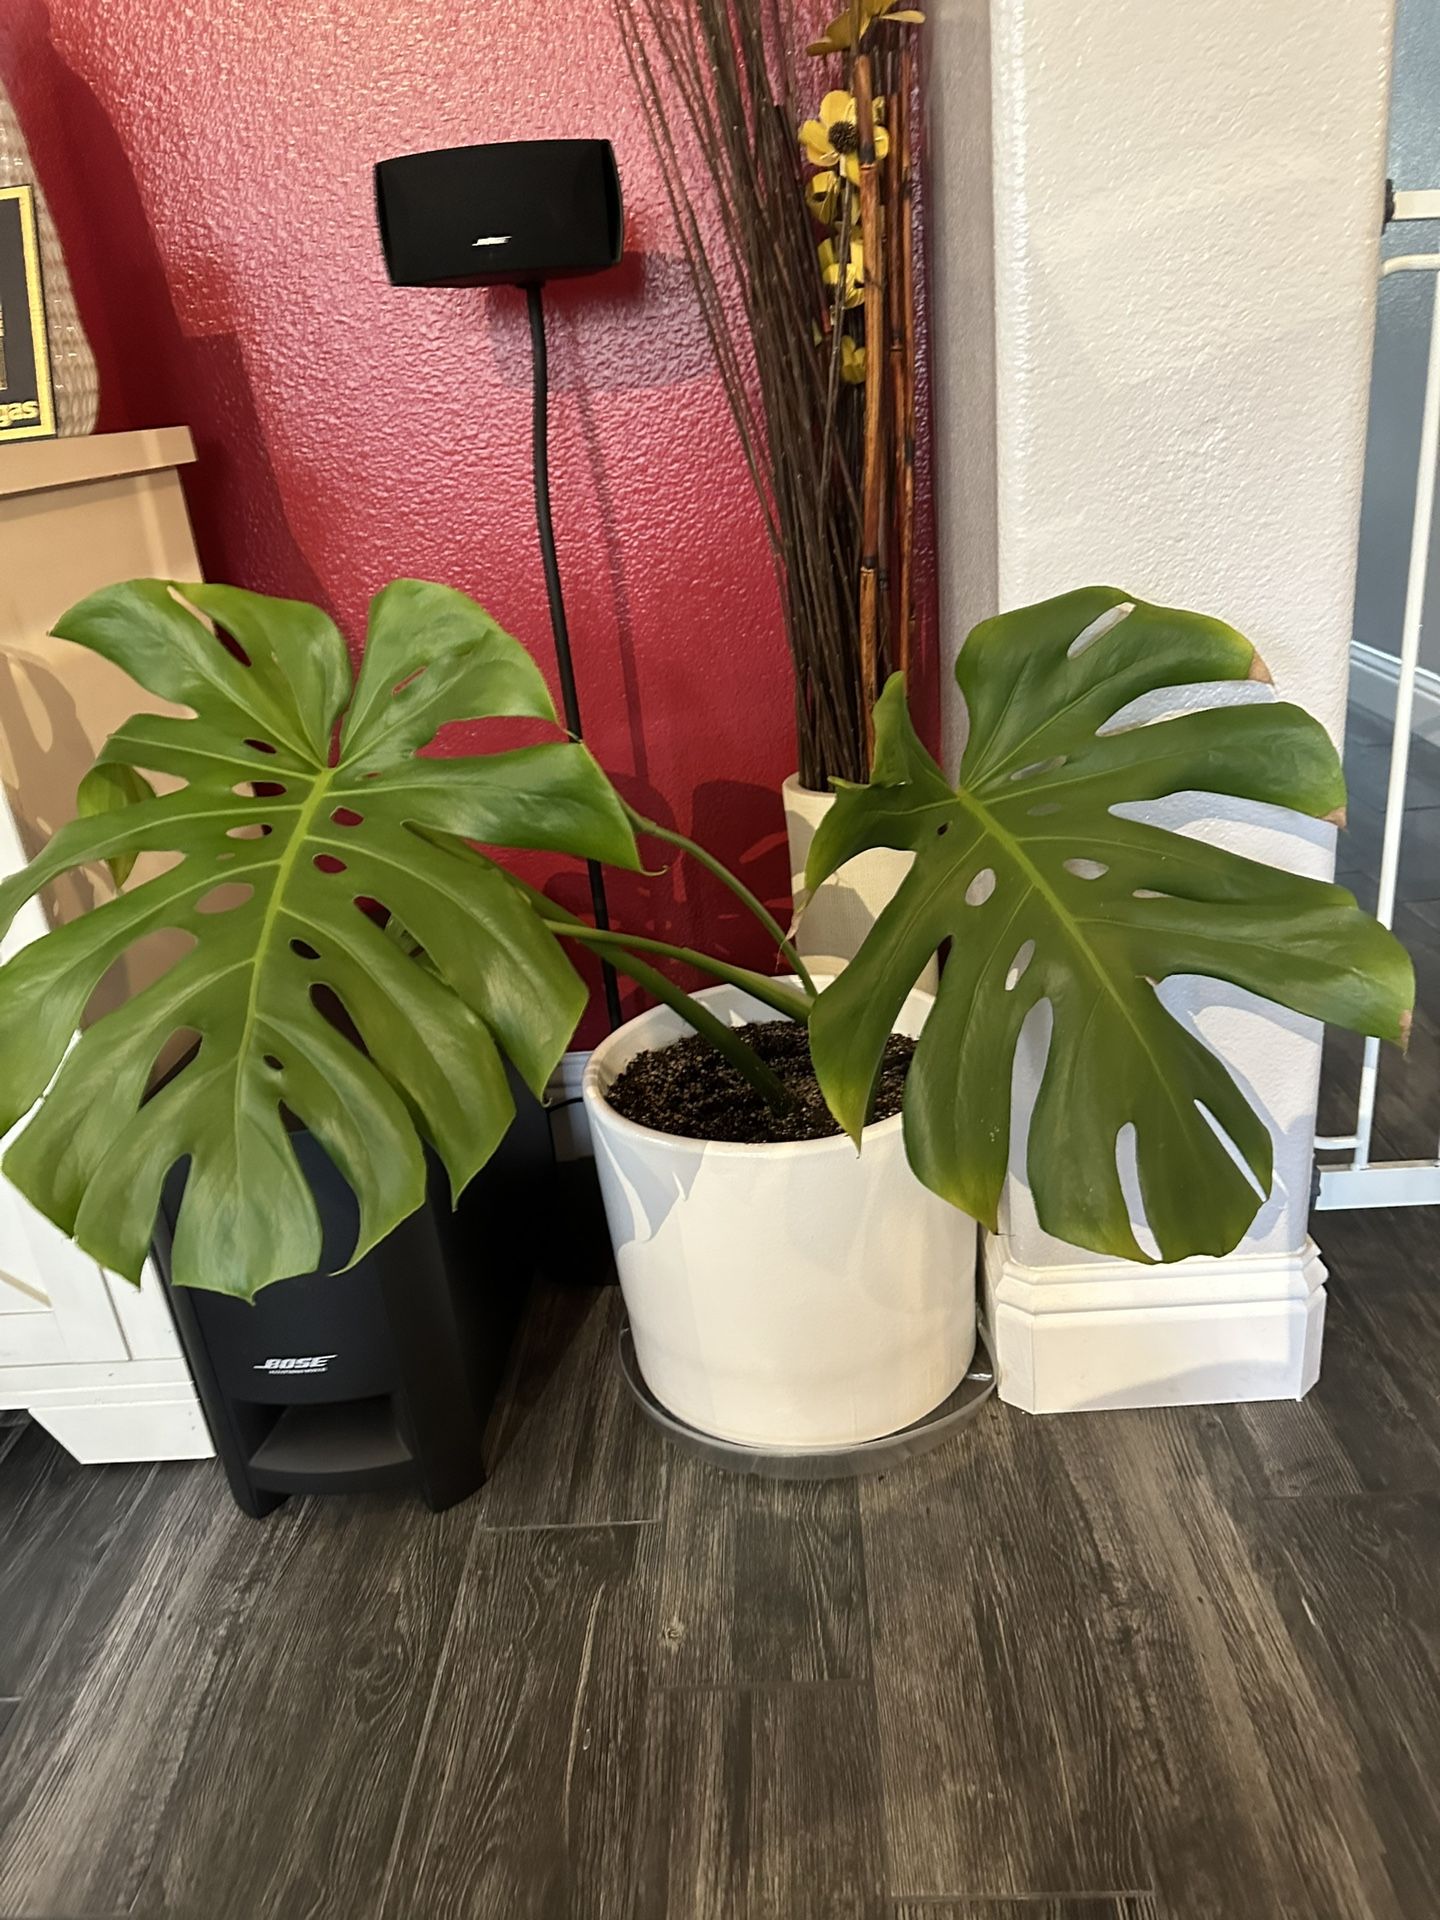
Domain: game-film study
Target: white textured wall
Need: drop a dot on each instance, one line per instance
(1186, 210)
(962, 324)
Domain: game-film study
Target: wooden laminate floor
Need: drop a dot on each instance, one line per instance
(1170, 1665)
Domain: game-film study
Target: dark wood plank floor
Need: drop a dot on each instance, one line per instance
(1171, 1665)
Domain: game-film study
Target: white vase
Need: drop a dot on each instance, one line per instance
(786, 1296)
(832, 923)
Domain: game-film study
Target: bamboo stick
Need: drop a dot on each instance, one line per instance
(895, 374)
(870, 485)
(837, 328)
(887, 74)
(905, 421)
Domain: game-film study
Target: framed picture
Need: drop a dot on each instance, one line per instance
(27, 402)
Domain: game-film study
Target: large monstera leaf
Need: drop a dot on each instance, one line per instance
(303, 836)
(1047, 894)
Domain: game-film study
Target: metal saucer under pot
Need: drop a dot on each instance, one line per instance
(862, 1457)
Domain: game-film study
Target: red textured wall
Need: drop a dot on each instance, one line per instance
(208, 165)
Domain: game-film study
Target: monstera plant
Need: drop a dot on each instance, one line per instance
(1046, 891)
(303, 817)
(358, 966)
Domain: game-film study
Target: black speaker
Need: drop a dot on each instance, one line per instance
(516, 212)
(383, 1375)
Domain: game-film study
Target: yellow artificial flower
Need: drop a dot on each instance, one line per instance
(852, 361)
(854, 270)
(822, 190)
(830, 140)
(841, 33)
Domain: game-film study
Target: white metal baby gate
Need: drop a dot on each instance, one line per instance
(1361, 1181)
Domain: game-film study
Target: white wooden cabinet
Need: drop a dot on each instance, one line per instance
(93, 1359)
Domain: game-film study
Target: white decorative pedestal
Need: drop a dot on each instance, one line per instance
(1116, 1335)
(1155, 235)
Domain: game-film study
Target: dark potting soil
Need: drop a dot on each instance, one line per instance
(689, 1089)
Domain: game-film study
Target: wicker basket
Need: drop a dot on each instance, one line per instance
(72, 364)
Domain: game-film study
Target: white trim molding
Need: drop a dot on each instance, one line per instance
(1393, 1183)
(131, 1410)
(1416, 203)
(1114, 1334)
(1375, 680)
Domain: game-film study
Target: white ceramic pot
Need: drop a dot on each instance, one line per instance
(832, 924)
(783, 1296)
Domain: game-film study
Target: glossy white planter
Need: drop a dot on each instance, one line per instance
(786, 1296)
(837, 917)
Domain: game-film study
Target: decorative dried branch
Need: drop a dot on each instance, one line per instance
(904, 171)
(718, 71)
(894, 319)
(872, 470)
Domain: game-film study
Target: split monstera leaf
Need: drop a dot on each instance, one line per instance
(303, 806)
(356, 965)
(1046, 892)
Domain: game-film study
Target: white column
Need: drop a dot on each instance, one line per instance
(1182, 205)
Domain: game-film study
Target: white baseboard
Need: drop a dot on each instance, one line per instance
(136, 1430)
(1115, 1334)
(1374, 678)
(100, 1411)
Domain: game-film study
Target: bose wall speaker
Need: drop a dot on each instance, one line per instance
(515, 212)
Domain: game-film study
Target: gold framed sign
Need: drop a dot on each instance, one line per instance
(27, 401)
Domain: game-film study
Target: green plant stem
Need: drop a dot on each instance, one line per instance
(774, 993)
(725, 1040)
(736, 886)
